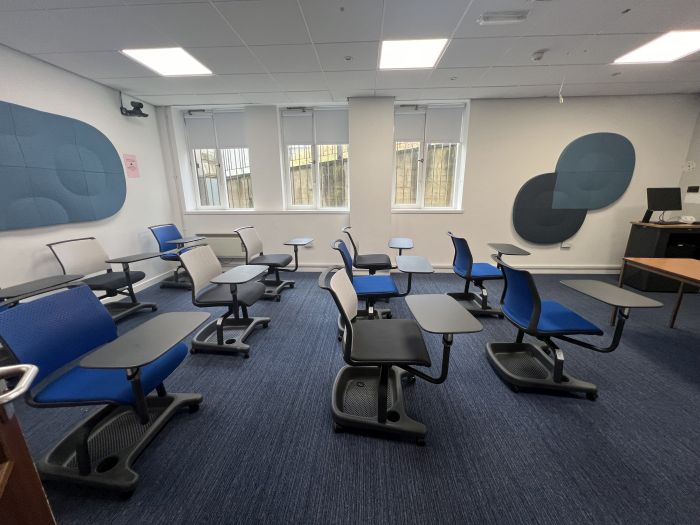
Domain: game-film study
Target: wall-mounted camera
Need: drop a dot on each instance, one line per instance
(136, 110)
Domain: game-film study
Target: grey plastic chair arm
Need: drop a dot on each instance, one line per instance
(28, 373)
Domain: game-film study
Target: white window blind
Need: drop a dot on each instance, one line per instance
(297, 127)
(409, 125)
(200, 132)
(230, 129)
(331, 126)
(444, 124)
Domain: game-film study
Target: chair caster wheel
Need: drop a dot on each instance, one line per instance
(500, 316)
(410, 380)
(388, 316)
(194, 408)
(265, 325)
(291, 285)
(592, 396)
(154, 308)
(515, 388)
(337, 428)
(278, 298)
(420, 442)
(192, 351)
(246, 356)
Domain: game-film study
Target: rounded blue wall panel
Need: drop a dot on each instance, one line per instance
(594, 171)
(534, 218)
(55, 170)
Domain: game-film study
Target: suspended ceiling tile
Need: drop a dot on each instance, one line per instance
(98, 65)
(288, 58)
(358, 21)
(227, 60)
(266, 22)
(363, 56)
(189, 25)
(407, 19)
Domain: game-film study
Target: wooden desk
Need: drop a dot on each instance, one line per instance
(648, 239)
(685, 271)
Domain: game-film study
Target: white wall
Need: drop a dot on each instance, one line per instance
(509, 142)
(692, 176)
(29, 82)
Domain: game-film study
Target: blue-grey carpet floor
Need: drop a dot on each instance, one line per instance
(262, 448)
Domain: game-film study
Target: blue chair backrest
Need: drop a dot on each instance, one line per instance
(463, 260)
(345, 254)
(53, 331)
(521, 300)
(164, 233)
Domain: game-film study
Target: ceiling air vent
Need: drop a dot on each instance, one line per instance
(502, 17)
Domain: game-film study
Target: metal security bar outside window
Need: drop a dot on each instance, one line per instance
(235, 163)
(427, 170)
(317, 155)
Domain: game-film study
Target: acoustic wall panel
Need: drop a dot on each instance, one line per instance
(55, 170)
(592, 172)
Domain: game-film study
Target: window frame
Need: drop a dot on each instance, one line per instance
(224, 204)
(316, 174)
(459, 170)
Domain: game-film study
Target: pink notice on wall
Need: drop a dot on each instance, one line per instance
(132, 167)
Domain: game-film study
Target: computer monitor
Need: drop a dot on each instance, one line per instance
(664, 199)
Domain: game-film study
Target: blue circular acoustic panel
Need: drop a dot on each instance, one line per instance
(594, 171)
(536, 220)
(55, 170)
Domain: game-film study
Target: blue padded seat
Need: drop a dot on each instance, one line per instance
(554, 318)
(374, 285)
(87, 385)
(164, 233)
(55, 332)
(174, 257)
(485, 271)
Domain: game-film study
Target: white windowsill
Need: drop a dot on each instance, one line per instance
(425, 210)
(267, 212)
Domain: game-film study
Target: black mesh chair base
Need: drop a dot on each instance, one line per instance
(354, 403)
(181, 281)
(115, 439)
(274, 287)
(121, 309)
(234, 331)
(475, 304)
(526, 366)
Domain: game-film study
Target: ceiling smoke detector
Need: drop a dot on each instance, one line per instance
(493, 18)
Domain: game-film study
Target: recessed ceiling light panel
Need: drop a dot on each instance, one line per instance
(666, 48)
(411, 54)
(168, 61)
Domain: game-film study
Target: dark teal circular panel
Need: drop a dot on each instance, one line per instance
(594, 171)
(534, 218)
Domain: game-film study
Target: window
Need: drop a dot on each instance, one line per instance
(317, 160)
(220, 160)
(428, 149)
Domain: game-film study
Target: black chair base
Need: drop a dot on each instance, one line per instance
(115, 439)
(183, 282)
(476, 304)
(527, 366)
(274, 287)
(354, 403)
(234, 334)
(121, 309)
